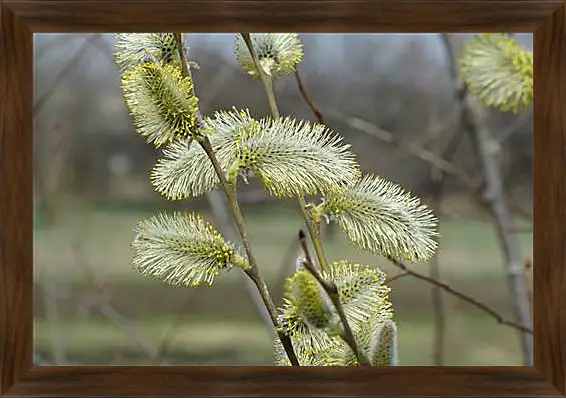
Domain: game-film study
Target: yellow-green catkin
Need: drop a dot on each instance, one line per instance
(161, 102)
(498, 71)
(383, 346)
(310, 304)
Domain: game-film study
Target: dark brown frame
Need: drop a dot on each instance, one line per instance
(20, 19)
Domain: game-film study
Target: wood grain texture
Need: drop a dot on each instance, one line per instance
(16, 240)
(278, 15)
(550, 199)
(284, 382)
(18, 19)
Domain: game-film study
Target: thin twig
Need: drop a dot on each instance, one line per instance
(464, 297)
(396, 277)
(163, 346)
(40, 103)
(106, 310)
(317, 114)
(528, 275)
(219, 207)
(420, 152)
(267, 82)
(230, 191)
(332, 291)
(57, 334)
(320, 119)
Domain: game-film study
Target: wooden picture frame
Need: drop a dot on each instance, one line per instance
(20, 19)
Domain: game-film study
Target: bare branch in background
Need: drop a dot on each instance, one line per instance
(316, 112)
(40, 103)
(51, 175)
(528, 277)
(49, 184)
(409, 272)
(422, 153)
(163, 346)
(437, 161)
(214, 87)
(56, 334)
(515, 126)
(473, 122)
(396, 277)
(435, 127)
(106, 310)
(332, 291)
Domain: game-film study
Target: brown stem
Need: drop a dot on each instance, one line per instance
(332, 292)
(331, 228)
(314, 233)
(316, 112)
(396, 277)
(408, 272)
(230, 191)
(253, 271)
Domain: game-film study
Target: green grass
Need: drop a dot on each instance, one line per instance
(468, 247)
(471, 340)
(221, 325)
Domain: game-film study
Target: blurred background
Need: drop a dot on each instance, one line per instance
(393, 97)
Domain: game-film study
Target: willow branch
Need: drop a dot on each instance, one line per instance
(332, 291)
(314, 232)
(230, 191)
(316, 112)
(409, 272)
(320, 119)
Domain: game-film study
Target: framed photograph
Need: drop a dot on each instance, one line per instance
(345, 185)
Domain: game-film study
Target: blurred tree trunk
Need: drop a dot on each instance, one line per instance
(485, 148)
(494, 198)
